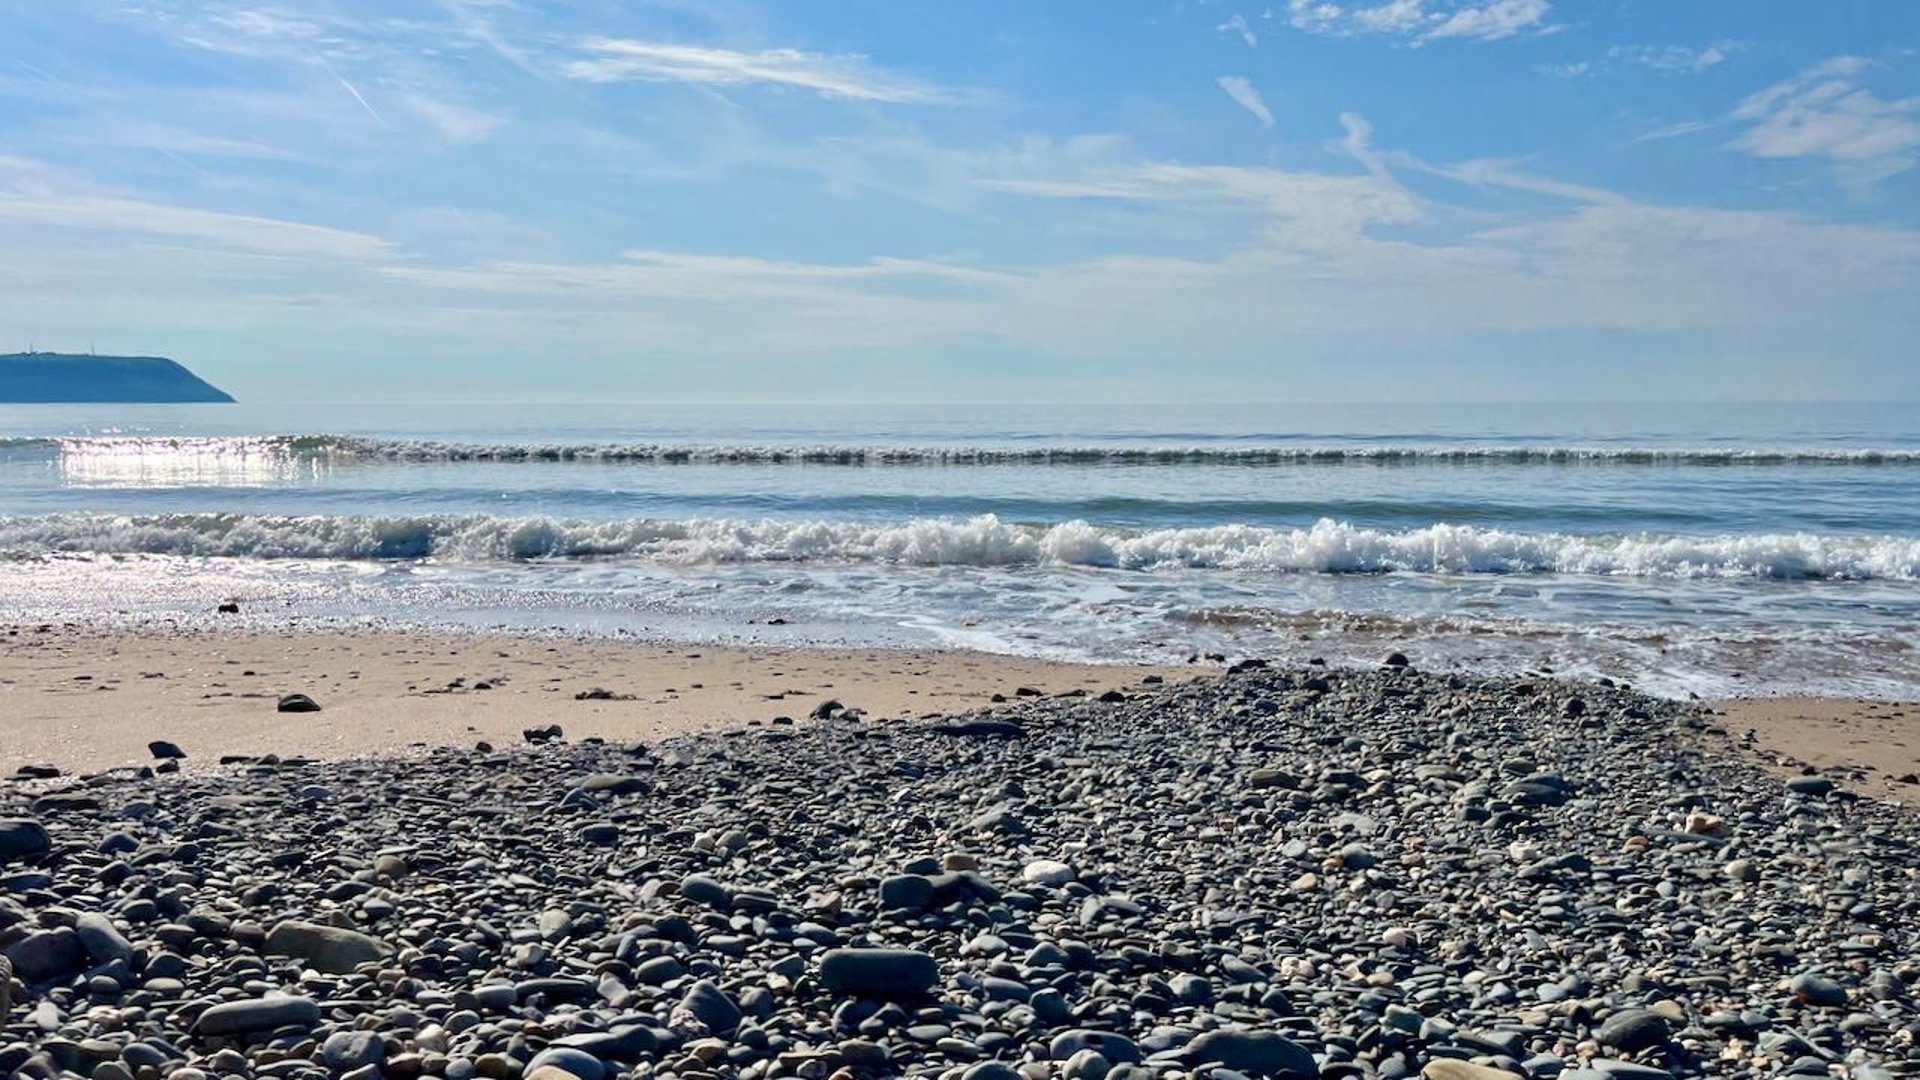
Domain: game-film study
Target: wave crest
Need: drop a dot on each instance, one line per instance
(1326, 547)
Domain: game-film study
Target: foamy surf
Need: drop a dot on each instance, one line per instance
(1326, 547)
(1739, 550)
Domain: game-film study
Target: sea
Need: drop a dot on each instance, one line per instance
(1688, 550)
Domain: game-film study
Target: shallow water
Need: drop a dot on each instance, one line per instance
(1713, 550)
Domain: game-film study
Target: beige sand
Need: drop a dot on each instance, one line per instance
(85, 698)
(1869, 745)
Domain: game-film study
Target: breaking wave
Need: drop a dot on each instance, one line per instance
(342, 448)
(1327, 547)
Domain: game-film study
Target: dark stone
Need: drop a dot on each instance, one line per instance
(332, 950)
(614, 784)
(1634, 1030)
(556, 988)
(1810, 785)
(160, 748)
(65, 802)
(624, 1043)
(1117, 1049)
(570, 1060)
(345, 1050)
(1818, 990)
(297, 703)
(906, 891)
(1004, 729)
(23, 838)
(1255, 1053)
(710, 1005)
(102, 940)
(48, 955)
(261, 1014)
(702, 889)
(879, 973)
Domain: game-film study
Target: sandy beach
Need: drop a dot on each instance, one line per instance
(1871, 746)
(88, 698)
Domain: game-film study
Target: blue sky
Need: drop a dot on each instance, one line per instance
(839, 200)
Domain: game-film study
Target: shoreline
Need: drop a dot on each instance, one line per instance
(89, 697)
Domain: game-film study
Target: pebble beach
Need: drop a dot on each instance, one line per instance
(1259, 873)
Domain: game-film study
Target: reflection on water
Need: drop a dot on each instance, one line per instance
(184, 463)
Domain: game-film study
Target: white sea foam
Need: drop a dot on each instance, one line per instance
(1325, 547)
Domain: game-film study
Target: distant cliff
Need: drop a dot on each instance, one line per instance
(61, 377)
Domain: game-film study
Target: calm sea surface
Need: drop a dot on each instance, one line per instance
(1686, 549)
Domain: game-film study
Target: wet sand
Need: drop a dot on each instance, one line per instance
(83, 698)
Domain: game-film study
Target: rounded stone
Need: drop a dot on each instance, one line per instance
(569, 1061)
(1634, 1030)
(879, 973)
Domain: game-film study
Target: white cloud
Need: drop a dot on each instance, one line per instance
(690, 276)
(1824, 112)
(628, 59)
(312, 85)
(174, 140)
(1678, 59)
(1237, 24)
(1674, 131)
(1243, 93)
(242, 232)
(1502, 174)
(455, 124)
(1301, 276)
(1572, 70)
(1421, 21)
(1491, 21)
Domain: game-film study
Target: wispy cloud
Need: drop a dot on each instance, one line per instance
(455, 124)
(1488, 172)
(1676, 59)
(1244, 95)
(168, 139)
(1571, 70)
(1674, 131)
(240, 232)
(1358, 144)
(1824, 112)
(610, 60)
(1237, 24)
(282, 77)
(1421, 21)
(690, 276)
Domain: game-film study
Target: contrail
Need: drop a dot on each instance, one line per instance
(342, 79)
